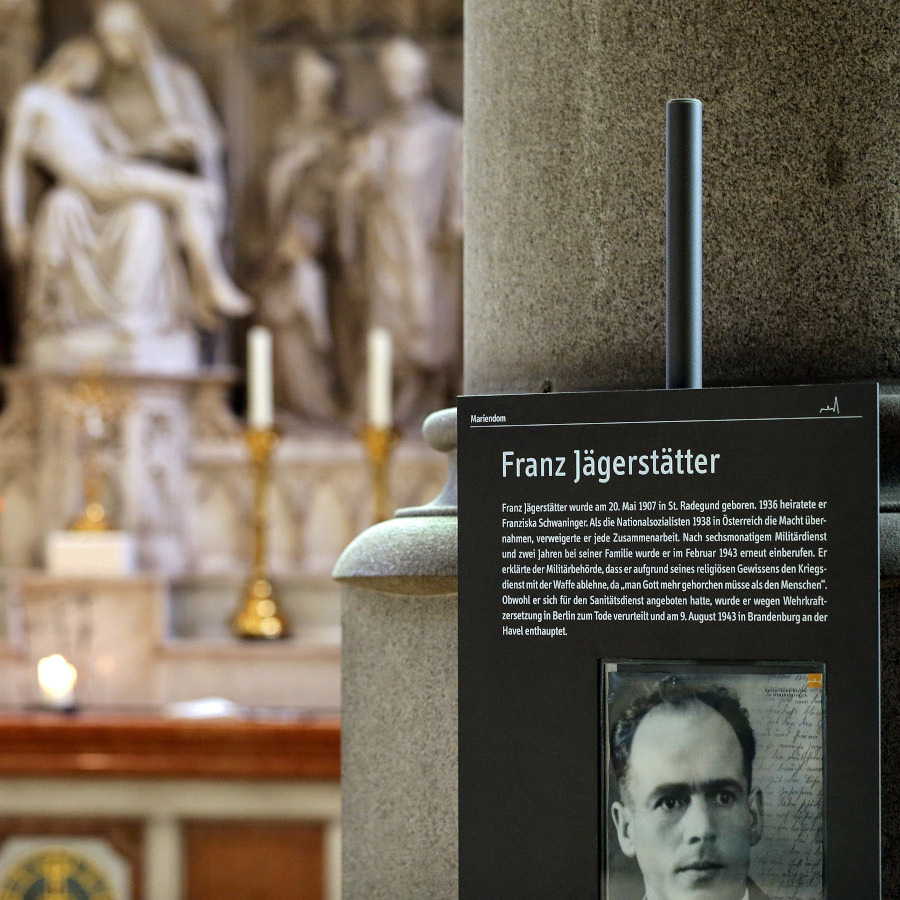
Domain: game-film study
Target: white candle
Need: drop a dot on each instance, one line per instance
(56, 678)
(380, 378)
(259, 377)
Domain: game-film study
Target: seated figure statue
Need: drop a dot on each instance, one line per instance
(103, 250)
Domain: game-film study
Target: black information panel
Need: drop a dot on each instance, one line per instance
(669, 644)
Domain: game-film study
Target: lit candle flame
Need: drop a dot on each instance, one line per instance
(57, 677)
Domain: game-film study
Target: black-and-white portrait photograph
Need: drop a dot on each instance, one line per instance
(713, 780)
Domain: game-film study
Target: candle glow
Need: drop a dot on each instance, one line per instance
(56, 678)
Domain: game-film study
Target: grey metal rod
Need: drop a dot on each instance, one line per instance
(684, 209)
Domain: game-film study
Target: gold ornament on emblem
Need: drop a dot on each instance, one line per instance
(56, 874)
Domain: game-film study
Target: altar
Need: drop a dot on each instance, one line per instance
(156, 807)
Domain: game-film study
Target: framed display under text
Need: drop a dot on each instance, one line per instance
(669, 644)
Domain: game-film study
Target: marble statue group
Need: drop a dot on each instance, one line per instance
(125, 139)
(114, 210)
(383, 206)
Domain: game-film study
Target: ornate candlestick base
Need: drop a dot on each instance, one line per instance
(379, 444)
(93, 518)
(259, 617)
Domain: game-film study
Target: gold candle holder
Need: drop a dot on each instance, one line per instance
(379, 443)
(259, 616)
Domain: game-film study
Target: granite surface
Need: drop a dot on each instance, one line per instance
(399, 746)
(565, 202)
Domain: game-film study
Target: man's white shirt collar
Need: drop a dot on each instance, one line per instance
(745, 897)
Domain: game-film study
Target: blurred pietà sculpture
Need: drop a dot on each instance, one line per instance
(401, 229)
(103, 254)
(302, 182)
(113, 211)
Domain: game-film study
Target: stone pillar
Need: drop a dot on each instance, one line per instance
(564, 290)
(399, 700)
(565, 112)
(565, 116)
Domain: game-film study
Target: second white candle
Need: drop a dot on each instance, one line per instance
(259, 364)
(380, 382)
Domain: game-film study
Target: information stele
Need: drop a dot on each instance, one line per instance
(718, 527)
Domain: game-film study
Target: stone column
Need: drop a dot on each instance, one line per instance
(564, 290)
(565, 112)
(565, 115)
(399, 700)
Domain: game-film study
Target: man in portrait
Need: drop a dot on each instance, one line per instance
(688, 812)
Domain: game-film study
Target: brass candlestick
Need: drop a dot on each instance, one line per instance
(259, 616)
(379, 443)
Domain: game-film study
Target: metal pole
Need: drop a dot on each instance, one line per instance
(684, 292)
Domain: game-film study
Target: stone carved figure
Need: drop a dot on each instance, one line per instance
(156, 100)
(401, 230)
(101, 251)
(301, 187)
